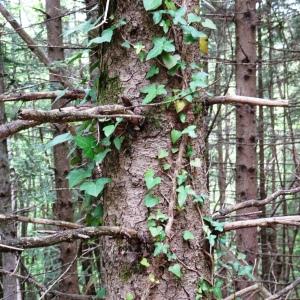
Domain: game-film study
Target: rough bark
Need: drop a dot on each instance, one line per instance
(63, 208)
(246, 165)
(10, 285)
(123, 199)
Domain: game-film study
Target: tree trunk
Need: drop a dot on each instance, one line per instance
(63, 208)
(246, 185)
(10, 284)
(123, 202)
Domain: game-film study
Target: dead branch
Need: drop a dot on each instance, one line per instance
(69, 236)
(253, 288)
(284, 291)
(13, 127)
(72, 94)
(263, 222)
(80, 113)
(239, 100)
(256, 203)
(11, 217)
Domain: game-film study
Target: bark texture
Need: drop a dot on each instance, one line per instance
(10, 284)
(246, 165)
(63, 208)
(123, 199)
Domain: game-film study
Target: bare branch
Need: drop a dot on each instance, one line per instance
(256, 203)
(13, 127)
(262, 222)
(284, 291)
(72, 94)
(71, 114)
(68, 236)
(239, 100)
(11, 217)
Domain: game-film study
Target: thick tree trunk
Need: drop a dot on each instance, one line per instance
(63, 208)
(246, 185)
(10, 284)
(123, 199)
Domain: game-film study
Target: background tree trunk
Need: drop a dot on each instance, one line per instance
(246, 165)
(63, 208)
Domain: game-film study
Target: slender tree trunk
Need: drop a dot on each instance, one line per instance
(123, 200)
(10, 284)
(63, 208)
(246, 165)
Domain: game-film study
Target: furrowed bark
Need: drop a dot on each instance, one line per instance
(10, 285)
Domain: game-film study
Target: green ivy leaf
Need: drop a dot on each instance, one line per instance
(193, 18)
(156, 231)
(163, 153)
(94, 188)
(118, 142)
(212, 239)
(101, 293)
(160, 44)
(207, 23)
(182, 177)
(175, 135)
(144, 262)
(78, 175)
(187, 235)
(109, 130)
(199, 80)
(176, 270)
(59, 139)
(126, 44)
(153, 90)
(160, 248)
(170, 61)
(190, 131)
(150, 180)
(166, 167)
(178, 16)
(154, 70)
(105, 37)
(129, 296)
(152, 4)
(182, 195)
(87, 144)
(151, 201)
(101, 156)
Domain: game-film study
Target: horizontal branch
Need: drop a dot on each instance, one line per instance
(11, 217)
(69, 236)
(256, 203)
(238, 100)
(10, 128)
(31, 96)
(283, 292)
(262, 222)
(74, 113)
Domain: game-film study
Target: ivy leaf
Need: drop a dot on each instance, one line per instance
(170, 61)
(100, 156)
(176, 270)
(105, 37)
(87, 144)
(59, 139)
(78, 175)
(178, 16)
(129, 296)
(182, 195)
(163, 154)
(182, 177)
(196, 162)
(126, 44)
(144, 262)
(154, 70)
(207, 23)
(152, 4)
(150, 180)
(118, 142)
(156, 231)
(187, 235)
(109, 130)
(160, 248)
(199, 80)
(166, 167)
(151, 201)
(101, 293)
(94, 188)
(160, 44)
(191, 34)
(175, 135)
(212, 239)
(193, 18)
(153, 90)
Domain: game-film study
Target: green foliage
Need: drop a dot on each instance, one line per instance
(187, 235)
(153, 90)
(160, 44)
(150, 180)
(151, 201)
(176, 270)
(76, 176)
(94, 188)
(152, 4)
